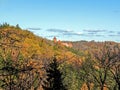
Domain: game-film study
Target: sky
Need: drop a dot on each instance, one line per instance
(71, 20)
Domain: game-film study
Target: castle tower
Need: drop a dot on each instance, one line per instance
(55, 39)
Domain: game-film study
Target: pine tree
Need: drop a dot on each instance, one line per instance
(54, 77)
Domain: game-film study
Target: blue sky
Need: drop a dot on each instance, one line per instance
(73, 20)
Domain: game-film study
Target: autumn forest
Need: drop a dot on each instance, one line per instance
(31, 62)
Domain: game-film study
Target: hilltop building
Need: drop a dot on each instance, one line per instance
(55, 40)
(62, 43)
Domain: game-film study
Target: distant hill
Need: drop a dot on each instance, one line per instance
(90, 45)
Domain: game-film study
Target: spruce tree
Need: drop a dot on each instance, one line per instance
(54, 77)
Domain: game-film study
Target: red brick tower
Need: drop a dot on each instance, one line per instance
(55, 40)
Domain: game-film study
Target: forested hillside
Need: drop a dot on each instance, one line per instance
(30, 62)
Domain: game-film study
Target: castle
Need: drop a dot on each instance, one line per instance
(62, 43)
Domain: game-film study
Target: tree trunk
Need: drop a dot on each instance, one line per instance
(88, 86)
(102, 87)
(118, 86)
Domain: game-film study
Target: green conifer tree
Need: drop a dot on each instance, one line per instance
(54, 77)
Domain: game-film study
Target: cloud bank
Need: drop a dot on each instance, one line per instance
(86, 34)
(34, 28)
